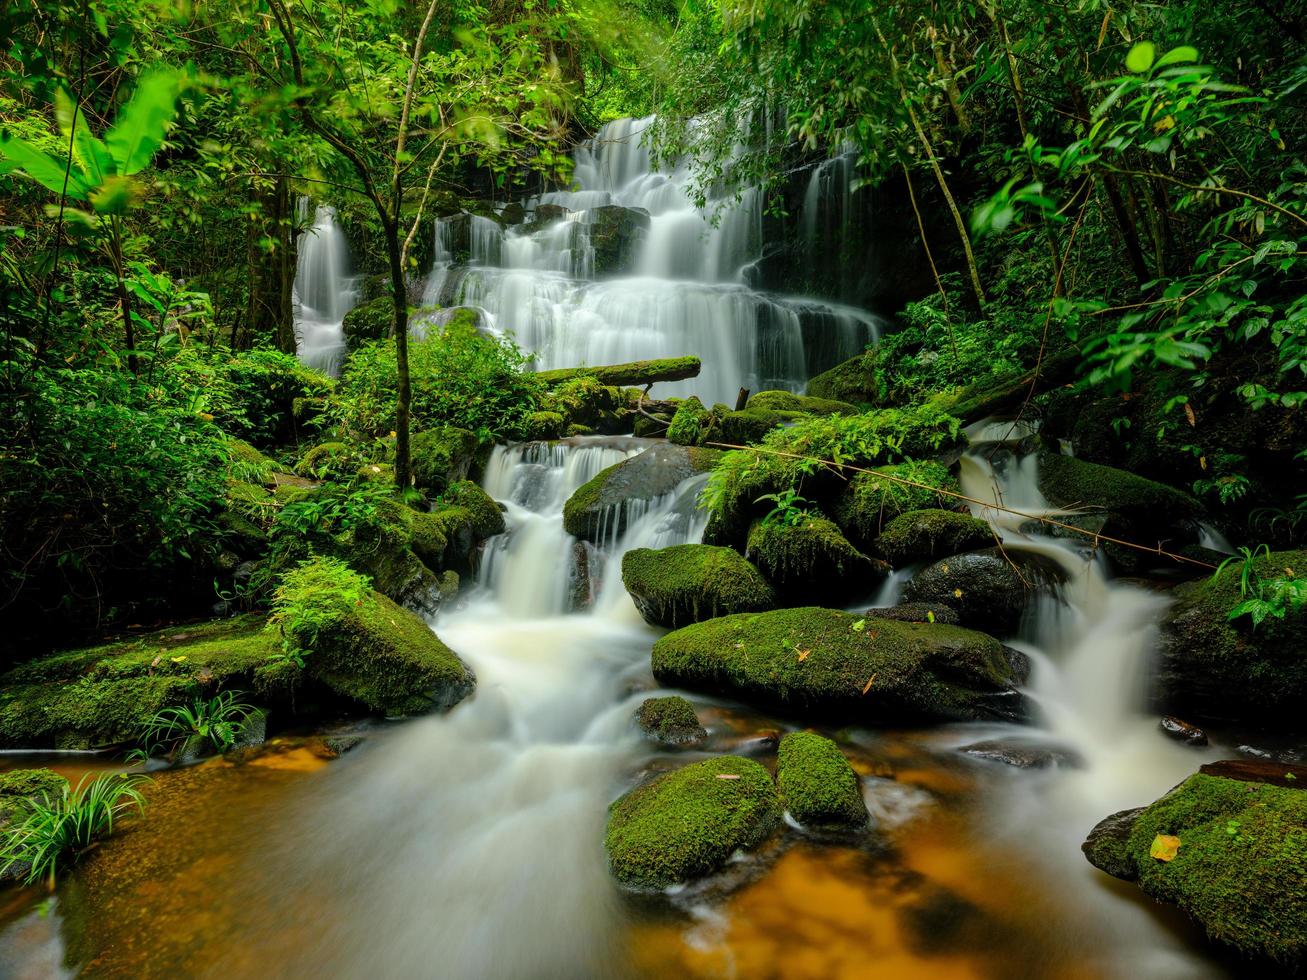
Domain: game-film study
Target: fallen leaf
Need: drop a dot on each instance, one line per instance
(1189, 414)
(957, 593)
(1165, 847)
(867, 687)
(857, 627)
(727, 775)
(178, 660)
(803, 655)
(155, 661)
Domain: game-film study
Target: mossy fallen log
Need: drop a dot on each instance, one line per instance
(634, 373)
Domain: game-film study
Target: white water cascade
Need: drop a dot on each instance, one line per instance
(680, 290)
(1089, 641)
(325, 290)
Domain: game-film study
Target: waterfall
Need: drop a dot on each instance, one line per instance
(324, 290)
(627, 266)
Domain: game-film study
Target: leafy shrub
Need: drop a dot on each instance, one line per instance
(217, 723)
(459, 378)
(311, 597)
(1261, 596)
(51, 832)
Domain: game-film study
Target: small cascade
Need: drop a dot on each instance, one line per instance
(324, 290)
(626, 266)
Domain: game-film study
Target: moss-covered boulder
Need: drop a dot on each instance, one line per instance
(1136, 509)
(1212, 666)
(541, 426)
(986, 588)
(828, 664)
(19, 786)
(688, 583)
(871, 500)
(855, 381)
(687, 824)
(670, 721)
(1231, 853)
(818, 786)
(749, 426)
(788, 401)
(369, 321)
(336, 461)
(602, 508)
(811, 561)
(694, 425)
(927, 535)
(442, 456)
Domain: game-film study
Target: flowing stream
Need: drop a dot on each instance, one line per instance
(325, 290)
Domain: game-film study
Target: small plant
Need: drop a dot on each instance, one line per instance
(788, 510)
(331, 510)
(218, 723)
(50, 832)
(1274, 597)
(310, 598)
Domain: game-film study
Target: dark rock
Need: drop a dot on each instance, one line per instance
(918, 612)
(1269, 771)
(1182, 731)
(1025, 755)
(983, 587)
(1106, 843)
(615, 234)
(603, 507)
(929, 535)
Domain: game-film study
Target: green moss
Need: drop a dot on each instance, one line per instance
(1067, 481)
(810, 559)
(872, 500)
(484, 514)
(687, 583)
(927, 535)
(1241, 869)
(670, 720)
(751, 425)
(787, 401)
(818, 786)
(814, 662)
(854, 380)
(633, 373)
(583, 400)
(688, 823)
(543, 425)
(369, 321)
(442, 456)
(329, 461)
(597, 507)
(1217, 667)
(32, 783)
(693, 425)
(103, 695)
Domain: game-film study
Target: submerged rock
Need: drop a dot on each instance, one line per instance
(928, 535)
(1182, 731)
(603, 507)
(1024, 755)
(1212, 666)
(688, 583)
(687, 823)
(670, 721)
(1237, 859)
(818, 787)
(829, 664)
(811, 561)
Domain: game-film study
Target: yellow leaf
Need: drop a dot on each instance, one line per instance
(957, 593)
(727, 775)
(867, 687)
(177, 660)
(1189, 414)
(1165, 847)
(803, 655)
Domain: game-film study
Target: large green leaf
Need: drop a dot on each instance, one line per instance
(138, 131)
(88, 149)
(58, 176)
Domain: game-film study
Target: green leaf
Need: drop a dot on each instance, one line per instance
(1140, 58)
(138, 131)
(89, 150)
(51, 173)
(1177, 55)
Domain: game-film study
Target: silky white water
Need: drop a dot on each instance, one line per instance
(324, 290)
(1089, 640)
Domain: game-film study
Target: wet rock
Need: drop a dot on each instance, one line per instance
(1182, 731)
(833, 665)
(1105, 847)
(687, 824)
(670, 721)
(1273, 772)
(928, 535)
(338, 745)
(1238, 868)
(580, 583)
(615, 233)
(757, 743)
(872, 500)
(811, 561)
(603, 507)
(1213, 667)
(818, 787)
(1025, 755)
(689, 583)
(988, 589)
(918, 612)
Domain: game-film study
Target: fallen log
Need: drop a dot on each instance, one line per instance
(634, 374)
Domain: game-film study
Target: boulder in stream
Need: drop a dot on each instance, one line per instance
(818, 786)
(1229, 847)
(988, 589)
(871, 500)
(928, 535)
(827, 664)
(687, 823)
(811, 561)
(688, 583)
(670, 721)
(603, 507)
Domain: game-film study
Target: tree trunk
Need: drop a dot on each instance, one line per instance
(286, 256)
(399, 293)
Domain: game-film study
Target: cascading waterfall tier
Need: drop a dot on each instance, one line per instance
(324, 290)
(626, 266)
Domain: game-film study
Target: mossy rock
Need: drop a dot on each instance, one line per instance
(369, 321)
(1241, 866)
(749, 426)
(601, 508)
(831, 665)
(694, 425)
(1214, 667)
(788, 401)
(584, 400)
(687, 824)
(927, 535)
(442, 456)
(540, 426)
(872, 500)
(386, 658)
(989, 589)
(337, 461)
(487, 517)
(670, 721)
(812, 561)
(688, 583)
(21, 784)
(818, 786)
(103, 695)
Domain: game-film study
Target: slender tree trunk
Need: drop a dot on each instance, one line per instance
(399, 293)
(950, 81)
(124, 299)
(285, 212)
